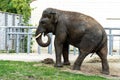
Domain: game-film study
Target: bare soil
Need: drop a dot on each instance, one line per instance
(96, 68)
(93, 67)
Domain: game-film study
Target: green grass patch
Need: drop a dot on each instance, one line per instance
(14, 70)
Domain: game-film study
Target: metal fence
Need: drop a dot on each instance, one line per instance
(19, 38)
(16, 35)
(113, 40)
(8, 19)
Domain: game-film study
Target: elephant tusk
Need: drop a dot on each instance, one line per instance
(37, 35)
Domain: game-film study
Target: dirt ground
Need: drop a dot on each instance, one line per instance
(96, 68)
(92, 66)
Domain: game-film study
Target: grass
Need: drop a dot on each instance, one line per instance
(14, 70)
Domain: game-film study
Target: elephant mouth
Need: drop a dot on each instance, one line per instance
(41, 42)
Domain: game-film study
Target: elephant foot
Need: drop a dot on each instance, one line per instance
(75, 67)
(105, 72)
(66, 63)
(58, 65)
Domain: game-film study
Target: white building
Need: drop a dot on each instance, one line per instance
(105, 11)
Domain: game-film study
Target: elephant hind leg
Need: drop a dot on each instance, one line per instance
(79, 60)
(102, 53)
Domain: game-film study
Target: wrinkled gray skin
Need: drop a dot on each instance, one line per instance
(77, 29)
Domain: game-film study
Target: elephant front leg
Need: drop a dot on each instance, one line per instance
(66, 54)
(58, 51)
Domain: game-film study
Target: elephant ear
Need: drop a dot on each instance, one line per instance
(55, 16)
(53, 13)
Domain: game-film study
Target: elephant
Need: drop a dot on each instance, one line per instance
(73, 28)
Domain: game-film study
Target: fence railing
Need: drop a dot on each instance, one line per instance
(15, 39)
(17, 34)
(112, 33)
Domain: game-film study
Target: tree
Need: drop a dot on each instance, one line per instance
(17, 6)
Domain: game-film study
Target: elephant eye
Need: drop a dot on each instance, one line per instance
(44, 21)
(47, 16)
(44, 16)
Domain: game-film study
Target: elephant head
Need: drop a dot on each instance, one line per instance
(46, 25)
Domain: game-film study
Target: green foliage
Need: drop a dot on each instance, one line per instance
(11, 51)
(25, 44)
(13, 70)
(2, 51)
(17, 6)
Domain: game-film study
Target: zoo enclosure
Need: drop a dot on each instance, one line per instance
(16, 33)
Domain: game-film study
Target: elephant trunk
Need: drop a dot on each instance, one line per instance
(40, 42)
